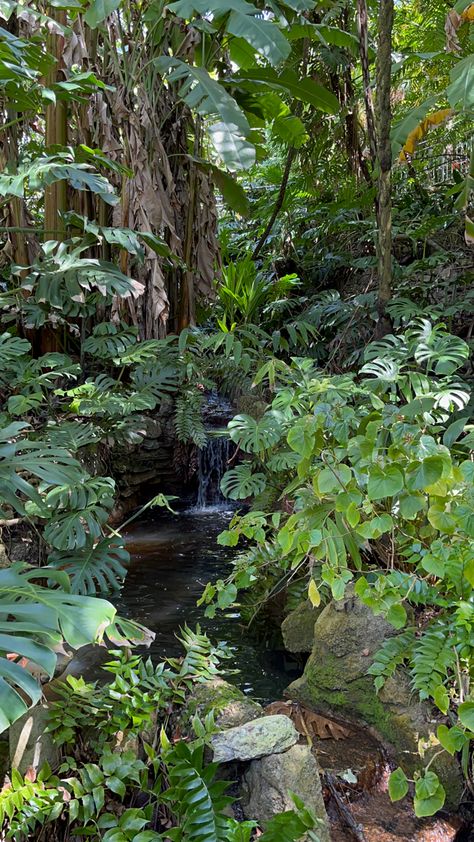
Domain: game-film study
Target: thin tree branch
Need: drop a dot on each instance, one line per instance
(278, 204)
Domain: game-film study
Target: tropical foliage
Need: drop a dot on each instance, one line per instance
(273, 201)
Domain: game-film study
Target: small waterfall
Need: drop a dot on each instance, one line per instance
(212, 466)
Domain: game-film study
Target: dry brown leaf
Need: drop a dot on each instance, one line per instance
(308, 723)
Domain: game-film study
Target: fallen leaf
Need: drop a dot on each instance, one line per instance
(307, 722)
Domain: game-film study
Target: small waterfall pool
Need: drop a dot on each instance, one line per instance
(173, 556)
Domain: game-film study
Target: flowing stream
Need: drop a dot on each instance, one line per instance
(173, 556)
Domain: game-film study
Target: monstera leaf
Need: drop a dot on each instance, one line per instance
(61, 274)
(18, 456)
(12, 347)
(34, 620)
(96, 568)
(240, 483)
(109, 340)
(255, 436)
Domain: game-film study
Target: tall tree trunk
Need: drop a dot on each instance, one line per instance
(55, 195)
(384, 163)
(363, 30)
(55, 198)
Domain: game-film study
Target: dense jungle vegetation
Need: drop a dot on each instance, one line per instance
(273, 201)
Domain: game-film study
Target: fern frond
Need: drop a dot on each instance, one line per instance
(188, 417)
(433, 658)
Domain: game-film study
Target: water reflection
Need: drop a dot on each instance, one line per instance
(173, 556)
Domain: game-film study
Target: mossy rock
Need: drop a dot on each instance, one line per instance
(298, 627)
(335, 682)
(230, 705)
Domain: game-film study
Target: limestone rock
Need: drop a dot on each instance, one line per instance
(266, 735)
(230, 705)
(29, 744)
(268, 781)
(298, 628)
(346, 636)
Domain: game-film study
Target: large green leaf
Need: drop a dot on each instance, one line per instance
(384, 482)
(18, 456)
(331, 35)
(73, 530)
(240, 483)
(255, 436)
(48, 169)
(243, 20)
(12, 347)
(261, 34)
(33, 619)
(109, 340)
(99, 10)
(209, 98)
(460, 92)
(232, 192)
(61, 277)
(96, 568)
(305, 90)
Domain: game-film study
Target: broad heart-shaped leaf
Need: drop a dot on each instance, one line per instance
(301, 437)
(209, 98)
(460, 92)
(420, 475)
(240, 483)
(429, 795)
(466, 714)
(33, 619)
(397, 785)
(99, 10)
(333, 479)
(452, 739)
(384, 482)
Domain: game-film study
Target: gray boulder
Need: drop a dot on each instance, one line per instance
(335, 682)
(266, 735)
(269, 780)
(298, 627)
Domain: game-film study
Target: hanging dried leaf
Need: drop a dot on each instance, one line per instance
(453, 21)
(418, 133)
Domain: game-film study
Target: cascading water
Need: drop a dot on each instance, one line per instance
(212, 465)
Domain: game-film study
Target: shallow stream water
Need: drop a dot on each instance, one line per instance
(173, 556)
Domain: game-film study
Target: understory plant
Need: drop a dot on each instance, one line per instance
(125, 774)
(368, 481)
